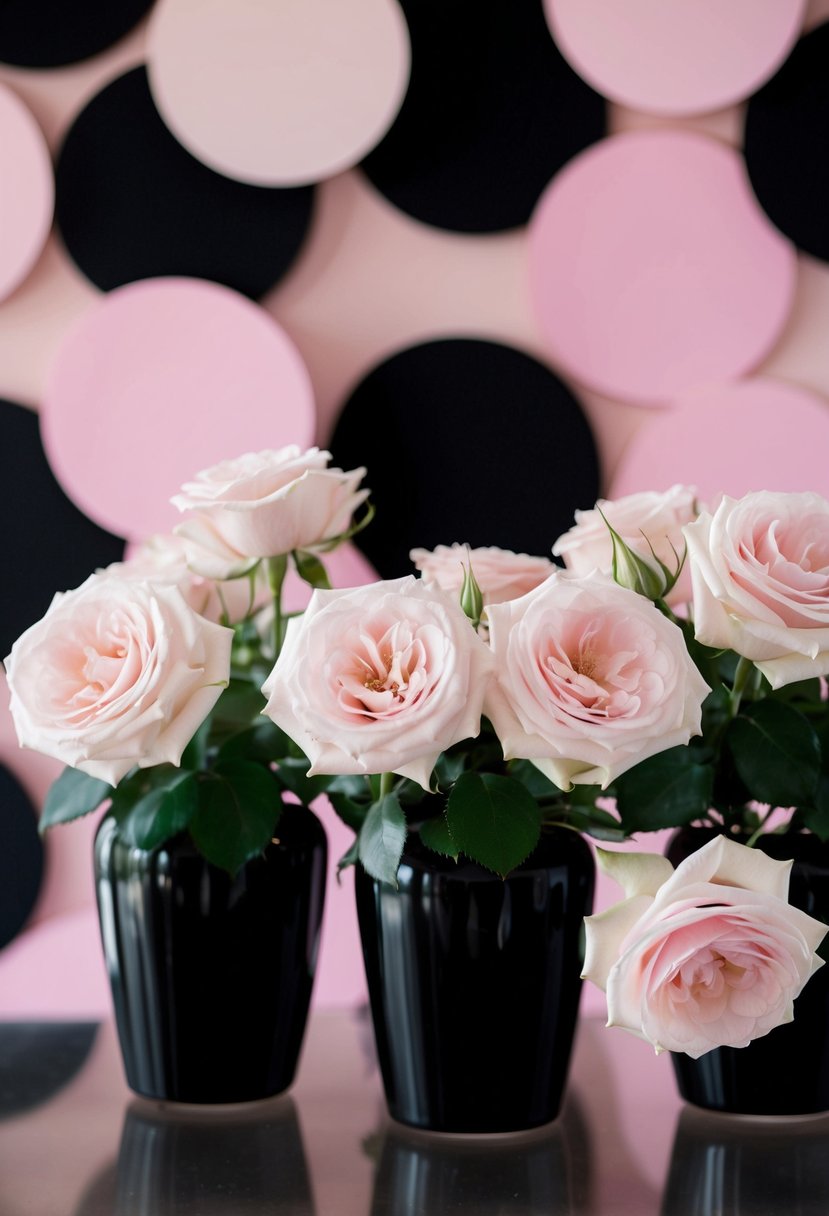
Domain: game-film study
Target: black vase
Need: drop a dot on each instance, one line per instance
(474, 984)
(786, 1072)
(211, 975)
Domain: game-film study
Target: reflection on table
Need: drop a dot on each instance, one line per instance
(75, 1142)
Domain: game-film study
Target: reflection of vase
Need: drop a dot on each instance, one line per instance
(211, 975)
(747, 1167)
(442, 1176)
(474, 984)
(786, 1072)
(230, 1163)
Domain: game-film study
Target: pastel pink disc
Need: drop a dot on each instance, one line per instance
(160, 379)
(758, 434)
(675, 56)
(653, 269)
(27, 191)
(278, 94)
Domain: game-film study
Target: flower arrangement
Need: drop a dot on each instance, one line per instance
(493, 696)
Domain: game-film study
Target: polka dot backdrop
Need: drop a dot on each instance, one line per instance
(491, 382)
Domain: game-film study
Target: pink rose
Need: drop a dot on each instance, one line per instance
(708, 955)
(379, 679)
(116, 674)
(163, 559)
(642, 520)
(500, 574)
(264, 504)
(760, 573)
(590, 679)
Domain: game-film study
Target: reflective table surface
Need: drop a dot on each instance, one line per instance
(75, 1142)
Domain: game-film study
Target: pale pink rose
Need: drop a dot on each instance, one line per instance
(379, 679)
(760, 573)
(116, 674)
(708, 955)
(590, 679)
(264, 504)
(642, 520)
(163, 559)
(500, 574)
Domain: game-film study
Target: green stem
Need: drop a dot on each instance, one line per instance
(758, 832)
(277, 569)
(386, 784)
(745, 669)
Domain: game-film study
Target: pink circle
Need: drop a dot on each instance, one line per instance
(675, 56)
(653, 269)
(758, 434)
(27, 191)
(278, 94)
(160, 379)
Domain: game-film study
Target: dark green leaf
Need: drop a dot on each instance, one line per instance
(352, 813)
(776, 753)
(596, 823)
(311, 570)
(435, 835)
(263, 742)
(449, 767)
(161, 813)
(534, 780)
(666, 790)
(349, 858)
(294, 776)
(71, 795)
(241, 703)
(381, 839)
(239, 805)
(494, 820)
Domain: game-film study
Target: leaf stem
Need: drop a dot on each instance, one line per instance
(386, 785)
(745, 669)
(277, 569)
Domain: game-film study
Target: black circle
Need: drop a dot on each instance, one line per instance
(787, 145)
(52, 545)
(48, 33)
(493, 110)
(470, 441)
(21, 858)
(37, 1059)
(132, 203)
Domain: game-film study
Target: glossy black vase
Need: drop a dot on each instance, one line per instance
(474, 984)
(786, 1072)
(211, 975)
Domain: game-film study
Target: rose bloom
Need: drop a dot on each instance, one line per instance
(708, 955)
(379, 679)
(163, 559)
(590, 679)
(659, 517)
(116, 674)
(500, 574)
(760, 573)
(264, 504)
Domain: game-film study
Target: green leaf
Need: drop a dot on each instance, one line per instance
(293, 773)
(534, 780)
(263, 742)
(238, 808)
(449, 767)
(494, 820)
(381, 839)
(776, 753)
(349, 858)
(311, 570)
(71, 795)
(598, 824)
(240, 703)
(664, 791)
(436, 836)
(162, 813)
